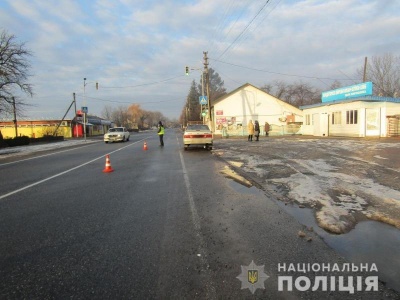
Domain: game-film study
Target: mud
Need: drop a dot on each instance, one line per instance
(344, 180)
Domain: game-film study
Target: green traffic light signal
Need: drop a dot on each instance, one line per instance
(187, 70)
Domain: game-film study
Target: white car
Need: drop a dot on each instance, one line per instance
(117, 134)
(198, 135)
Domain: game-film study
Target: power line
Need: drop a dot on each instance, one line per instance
(277, 73)
(221, 23)
(140, 85)
(244, 29)
(222, 40)
(246, 35)
(129, 102)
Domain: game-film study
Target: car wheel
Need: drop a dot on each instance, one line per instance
(106, 142)
(186, 147)
(123, 139)
(127, 139)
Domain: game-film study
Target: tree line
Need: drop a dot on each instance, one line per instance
(134, 117)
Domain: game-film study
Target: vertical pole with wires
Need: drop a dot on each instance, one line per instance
(208, 88)
(202, 94)
(15, 118)
(365, 70)
(76, 118)
(84, 101)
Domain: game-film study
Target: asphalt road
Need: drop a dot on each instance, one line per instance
(166, 224)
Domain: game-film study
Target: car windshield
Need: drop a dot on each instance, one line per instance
(197, 128)
(115, 130)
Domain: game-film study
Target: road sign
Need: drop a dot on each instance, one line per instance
(203, 100)
(84, 109)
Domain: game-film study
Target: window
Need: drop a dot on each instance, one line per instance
(337, 117)
(351, 117)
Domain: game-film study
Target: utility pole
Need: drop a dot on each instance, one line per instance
(73, 95)
(207, 88)
(365, 70)
(76, 121)
(15, 118)
(84, 101)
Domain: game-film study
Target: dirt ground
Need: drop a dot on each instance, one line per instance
(345, 180)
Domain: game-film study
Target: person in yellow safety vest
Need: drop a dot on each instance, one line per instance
(161, 132)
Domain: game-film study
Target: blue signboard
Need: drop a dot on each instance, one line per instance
(203, 100)
(358, 90)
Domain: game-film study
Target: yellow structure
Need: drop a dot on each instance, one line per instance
(66, 128)
(36, 128)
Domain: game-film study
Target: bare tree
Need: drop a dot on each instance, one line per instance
(301, 93)
(296, 94)
(136, 115)
(120, 116)
(277, 89)
(157, 117)
(14, 67)
(384, 72)
(267, 88)
(335, 85)
(106, 113)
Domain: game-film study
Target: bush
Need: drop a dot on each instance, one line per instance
(17, 141)
(47, 139)
(2, 143)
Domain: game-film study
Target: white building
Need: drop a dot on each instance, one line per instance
(358, 117)
(232, 112)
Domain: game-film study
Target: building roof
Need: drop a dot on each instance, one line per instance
(349, 100)
(233, 92)
(241, 88)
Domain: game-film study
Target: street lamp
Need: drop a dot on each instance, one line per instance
(84, 103)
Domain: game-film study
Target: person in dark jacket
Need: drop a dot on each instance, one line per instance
(161, 131)
(256, 130)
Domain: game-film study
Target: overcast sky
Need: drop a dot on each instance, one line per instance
(137, 50)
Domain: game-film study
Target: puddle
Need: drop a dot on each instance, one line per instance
(369, 242)
(229, 173)
(243, 189)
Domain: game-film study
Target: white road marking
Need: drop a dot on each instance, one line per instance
(44, 155)
(205, 267)
(62, 173)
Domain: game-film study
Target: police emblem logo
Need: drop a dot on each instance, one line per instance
(252, 277)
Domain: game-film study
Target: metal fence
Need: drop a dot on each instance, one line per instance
(275, 130)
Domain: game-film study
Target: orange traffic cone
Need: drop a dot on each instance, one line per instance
(108, 167)
(144, 146)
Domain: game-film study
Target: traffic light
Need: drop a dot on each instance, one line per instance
(187, 70)
(97, 85)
